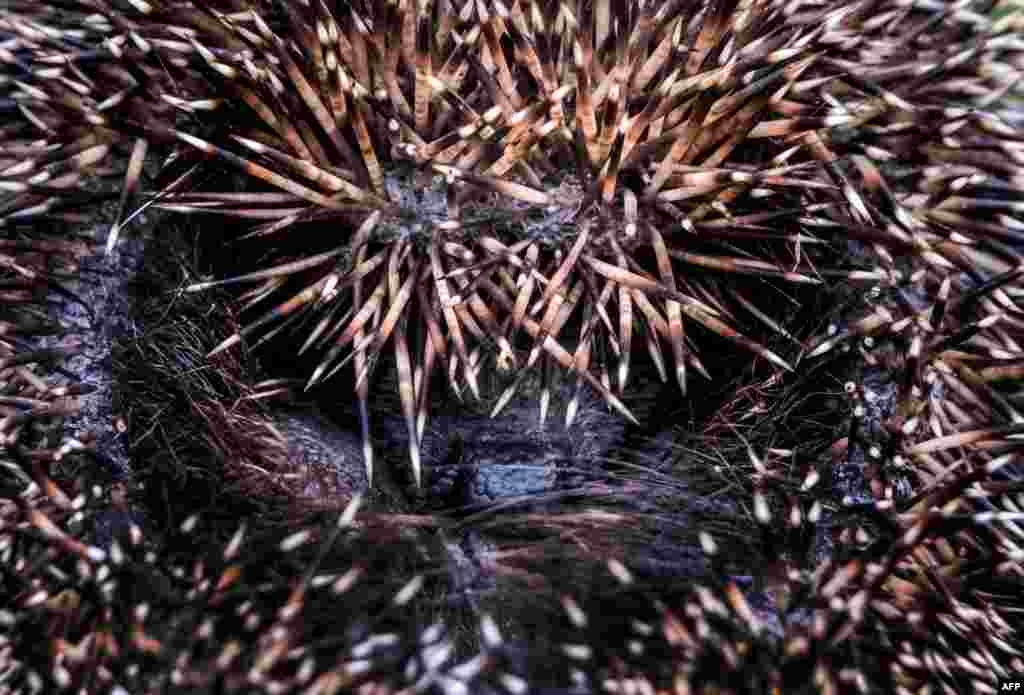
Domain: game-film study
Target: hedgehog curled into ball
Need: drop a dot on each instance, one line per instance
(561, 182)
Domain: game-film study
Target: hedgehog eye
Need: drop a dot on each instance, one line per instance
(456, 450)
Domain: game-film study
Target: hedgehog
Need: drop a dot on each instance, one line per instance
(510, 163)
